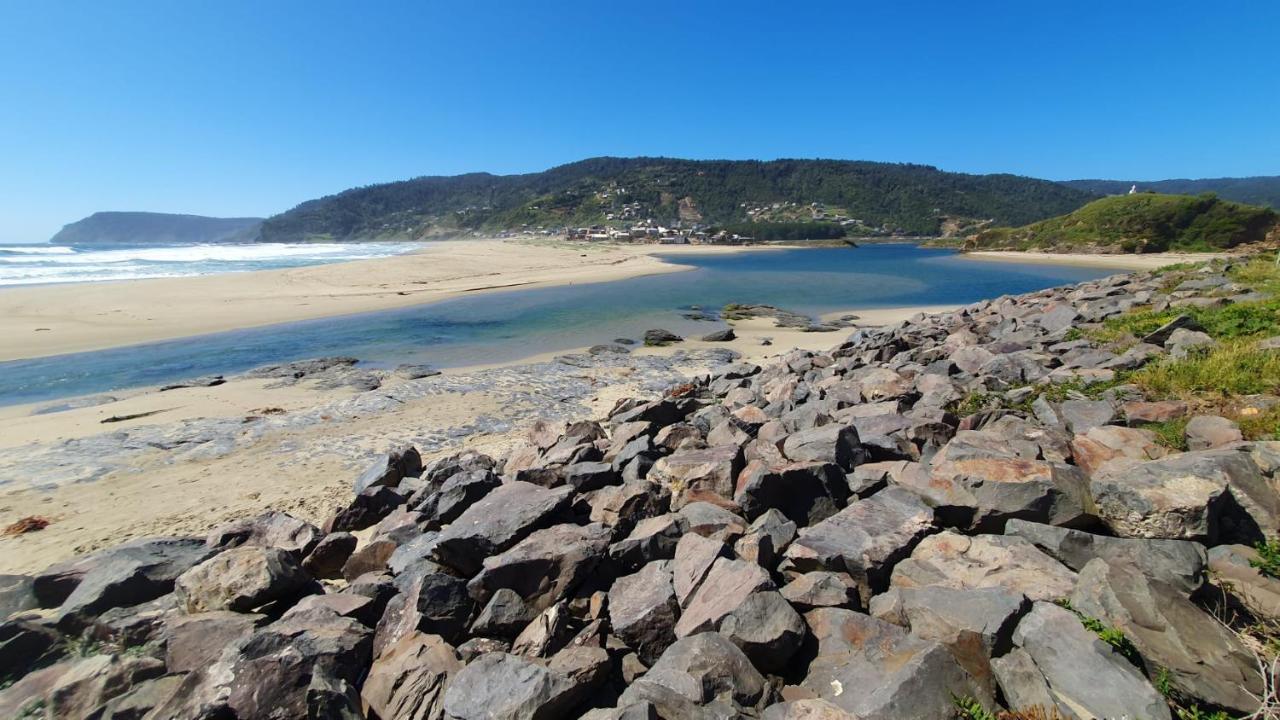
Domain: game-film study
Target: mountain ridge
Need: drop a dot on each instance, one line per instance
(151, 228)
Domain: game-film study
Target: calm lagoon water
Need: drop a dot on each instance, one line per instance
(504, 326)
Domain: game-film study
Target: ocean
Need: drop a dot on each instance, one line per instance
(47, 264)
(509, 325)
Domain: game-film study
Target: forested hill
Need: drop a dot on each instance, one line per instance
(866, 197)
(146, 228)
(1262, 190)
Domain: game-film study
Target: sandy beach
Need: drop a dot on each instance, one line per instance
(216, 453)
(1120, 262)
(56, 319)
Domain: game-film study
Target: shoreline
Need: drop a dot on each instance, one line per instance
(45, 320)
(1151, 261)
(238, 449)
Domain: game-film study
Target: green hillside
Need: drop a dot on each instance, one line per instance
(865, 197)
(1143, 222)
(1258, 190)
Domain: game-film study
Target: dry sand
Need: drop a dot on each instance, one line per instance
(67, 318)
(1120, 262)
(301, 472)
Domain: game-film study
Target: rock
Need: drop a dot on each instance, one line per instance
(643, 609)
(608, 349)
(767, 630)
(704, 668)
(412, 553)
(1178, 563)
(126, 575)
(434, 603)
(983, 493)
(1183, 343)
(371, 558)
(1233, 565)
(720, 336)
(1161, 336)
(25, 645)
(973, 624)
(984, 561)
(588, 476)
(409, 678)
(808, 709)
(766, 539)
(410, 371)
(544, 567)
(1140, 413)
(659, 337)
(17, 593)
(1210, 431)
(497, 522)
(652, 539)
(459, 492)
(624, 505)
(1209, 495)
(1082, 415)
(389, 469)
(504, 616)
(1105, 443)
(693, 560)
(27, 697)
(827, 444)
(241, 579)
(142, 698)
(93, 681)
(367, 610)
(693, 475)
(806, 493)
(727, 584)
(712, 521)
(1204, 659)
(195, 641)
(875, 670)
(270, 529)
(268, 673)
(821, 589)
(329, 555)
(865, 539)
(548, 632)
(365, 510)
(1083, 673)
(499, 686)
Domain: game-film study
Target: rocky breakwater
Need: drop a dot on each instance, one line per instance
(826, 537)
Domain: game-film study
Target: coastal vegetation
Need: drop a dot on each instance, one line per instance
(1260, 190)
(1139, 223)
(871, 197)
(150, 228)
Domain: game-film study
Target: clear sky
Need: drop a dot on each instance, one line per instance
(247, 108)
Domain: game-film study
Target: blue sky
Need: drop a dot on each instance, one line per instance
(247, 108)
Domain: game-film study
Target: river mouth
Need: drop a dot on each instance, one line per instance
(510, 325)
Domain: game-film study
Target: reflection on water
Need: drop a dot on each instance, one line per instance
(502, 326)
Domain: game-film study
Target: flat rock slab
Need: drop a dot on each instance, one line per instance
(982, 561)
(498, 521)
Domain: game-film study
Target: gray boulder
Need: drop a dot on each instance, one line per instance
(499, 686)
(389, 469)
(270, 529)
(767, 628)
(983, 561)
(409, 678)
(242, 579)
(497, 522)
(545, 566)
(643, 609)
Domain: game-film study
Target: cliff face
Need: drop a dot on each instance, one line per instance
(156, 228)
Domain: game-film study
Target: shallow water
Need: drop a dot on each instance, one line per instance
(509, 325)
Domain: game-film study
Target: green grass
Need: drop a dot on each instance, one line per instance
(1144, 222)
(968, 708)
(1170, 433)
(1235, 367)
(1262, 425)
(1268, 560)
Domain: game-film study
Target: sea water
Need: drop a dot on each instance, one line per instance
(46, 264)
(509, 325)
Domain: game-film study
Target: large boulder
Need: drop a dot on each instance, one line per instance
(545, 566)
(865, 540)
(272, 529)
(91, 683)
(983, 493)
(982, 561)
(499, 686)
(126, 575)
(193, 642)
(875, 670)
(699, 474)
(726, 586)
(1203, 658)
(973, 624)
(1213, 496)
(643, 609)
(242, 579)
(1080, 673)
(821, 589)
(837, 444)
(409, 678)
(702, 669)
(434, 602)
(1105, 443)
(1237, 565)
(693, 560)
(806, 492)
(767, 629)
(389, 469)
(1179, 563)
(497, 522)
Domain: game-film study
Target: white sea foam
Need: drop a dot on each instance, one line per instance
(30, 265)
